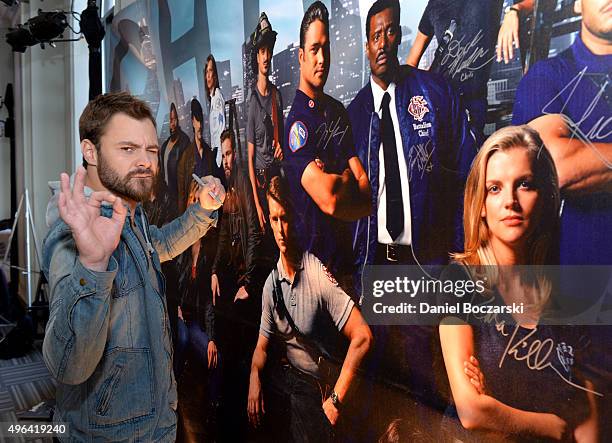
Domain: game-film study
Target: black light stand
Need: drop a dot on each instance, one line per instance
(93, 30)
(48, 27)
(9, 131)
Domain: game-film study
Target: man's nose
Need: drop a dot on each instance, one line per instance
(146, 159)
(320, 56)
(382, 41)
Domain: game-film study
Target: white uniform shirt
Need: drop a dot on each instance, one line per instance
(384, 237)
(217, 122)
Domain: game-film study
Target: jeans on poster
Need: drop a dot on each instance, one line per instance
(192, 337)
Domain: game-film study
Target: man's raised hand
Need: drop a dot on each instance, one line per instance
(212, 187)
(96, 236)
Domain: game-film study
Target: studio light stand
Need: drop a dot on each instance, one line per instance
(38, 309)
(93, 30)
(9, 131)
(24, 204)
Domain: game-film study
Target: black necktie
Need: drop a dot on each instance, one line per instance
(395, 205)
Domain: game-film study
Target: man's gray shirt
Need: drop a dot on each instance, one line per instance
(260, 130)
(317, 305)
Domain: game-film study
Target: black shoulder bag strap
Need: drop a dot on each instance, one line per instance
(279, 304)
(273, 117)
(328, 366)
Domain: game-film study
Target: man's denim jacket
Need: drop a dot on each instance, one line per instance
(108, 341)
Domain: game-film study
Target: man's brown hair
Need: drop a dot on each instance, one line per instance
(228, 133)
(278, 190)
(101, 109)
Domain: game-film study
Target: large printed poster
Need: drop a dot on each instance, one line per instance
(398, 257)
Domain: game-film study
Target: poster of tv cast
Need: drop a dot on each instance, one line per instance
(356, 134)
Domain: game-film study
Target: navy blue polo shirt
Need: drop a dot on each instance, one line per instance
(318, 129)
(577, 84)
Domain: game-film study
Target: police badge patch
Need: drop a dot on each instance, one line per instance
(298, 136)
(418, 107)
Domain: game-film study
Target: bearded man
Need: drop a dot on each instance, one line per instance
(107, 341)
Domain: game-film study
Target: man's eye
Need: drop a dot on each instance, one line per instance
(128, 148)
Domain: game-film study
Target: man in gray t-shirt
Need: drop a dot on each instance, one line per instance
(312, 298)
(305, 311)
(265, 120)
(260, 128)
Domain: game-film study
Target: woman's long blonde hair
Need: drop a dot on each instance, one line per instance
(543, 238)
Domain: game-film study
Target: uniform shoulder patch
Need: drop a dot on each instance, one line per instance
(329, 275)
(298, 136)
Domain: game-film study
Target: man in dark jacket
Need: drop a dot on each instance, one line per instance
(412, 136)
(239, 238)
(431, 160)
(236, 283)
(164, 207)
(169, 156)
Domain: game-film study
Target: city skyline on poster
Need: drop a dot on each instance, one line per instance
(157, 50)
(145, 73)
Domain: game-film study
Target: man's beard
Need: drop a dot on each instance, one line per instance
(137, 189)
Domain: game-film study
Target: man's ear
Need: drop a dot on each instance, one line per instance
(90, 153)
(300, 56)
(578, 7)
